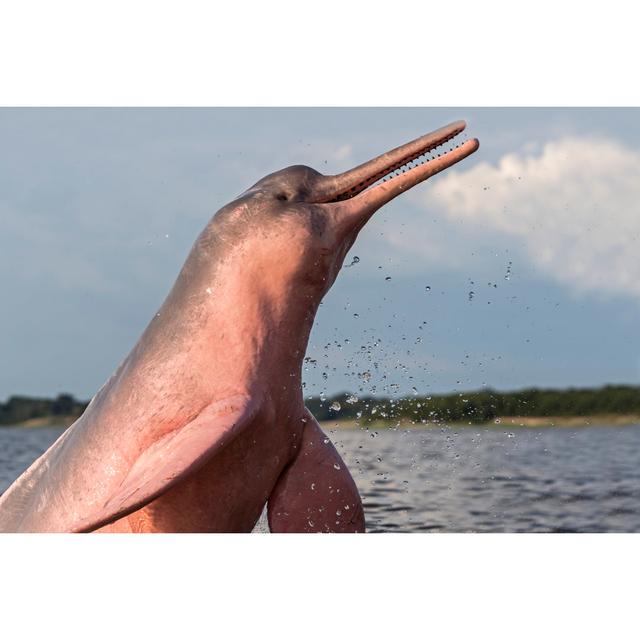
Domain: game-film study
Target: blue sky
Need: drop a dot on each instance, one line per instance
(518, 267)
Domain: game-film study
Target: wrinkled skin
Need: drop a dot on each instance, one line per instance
(204, 421)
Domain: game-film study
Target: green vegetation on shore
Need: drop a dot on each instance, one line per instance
(480, 407)
(41, 411)
(619, 403)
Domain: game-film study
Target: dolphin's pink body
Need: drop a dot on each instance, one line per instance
(204, 422)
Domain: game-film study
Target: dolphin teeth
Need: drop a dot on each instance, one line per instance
(409, 164)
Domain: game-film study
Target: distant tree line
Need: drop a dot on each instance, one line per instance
(19, 409)
(473, 407)
(480, 406)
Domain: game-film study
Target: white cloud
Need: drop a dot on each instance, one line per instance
(574, 206)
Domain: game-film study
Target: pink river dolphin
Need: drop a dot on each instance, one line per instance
(204, 423)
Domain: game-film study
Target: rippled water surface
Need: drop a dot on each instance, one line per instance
(466, 479)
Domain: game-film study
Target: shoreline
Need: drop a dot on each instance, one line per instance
(510, 421)
(45, 421)
(608, 420)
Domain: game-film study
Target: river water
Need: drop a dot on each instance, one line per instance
(481, 479)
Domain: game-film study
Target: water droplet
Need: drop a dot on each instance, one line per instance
(497, 421)
(427, 288)
(352, 399)
(335, 406)
(354, 260)
(336, 466)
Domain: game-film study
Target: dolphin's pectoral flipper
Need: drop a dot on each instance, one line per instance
(174, 456)
(316, 492)
(51, 503)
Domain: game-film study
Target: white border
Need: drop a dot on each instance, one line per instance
(389, 586)
(285, 52)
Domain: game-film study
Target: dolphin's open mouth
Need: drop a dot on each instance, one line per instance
(404, 167)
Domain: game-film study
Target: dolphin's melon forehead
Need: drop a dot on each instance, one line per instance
(298, 178)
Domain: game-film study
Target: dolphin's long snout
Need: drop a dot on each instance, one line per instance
(368, 186)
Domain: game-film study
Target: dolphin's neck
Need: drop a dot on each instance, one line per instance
(249, 325)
